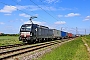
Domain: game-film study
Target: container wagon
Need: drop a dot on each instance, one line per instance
(73, 35)
(63, 34)
(70, 35)
(56, 34)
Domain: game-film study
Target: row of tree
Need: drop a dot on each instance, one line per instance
(9, 34)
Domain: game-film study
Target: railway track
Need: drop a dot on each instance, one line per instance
(11, 46)
(12, 53)
(14, 45)
(15, 52)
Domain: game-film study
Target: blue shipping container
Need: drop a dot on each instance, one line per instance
(63, 34)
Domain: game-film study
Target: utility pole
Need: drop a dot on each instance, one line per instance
(61, 28)
(76, 30)
(85, 32)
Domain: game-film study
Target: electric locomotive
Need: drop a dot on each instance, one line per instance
(33, 32)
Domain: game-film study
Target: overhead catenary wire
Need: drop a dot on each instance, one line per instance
(30, 11)
(45, 4)
(43, 10)
(48, 8)
(16, 8)
(51, 11)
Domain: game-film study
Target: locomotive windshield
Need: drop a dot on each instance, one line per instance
(25, 28)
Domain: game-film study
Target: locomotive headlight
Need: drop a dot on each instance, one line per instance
(31, 34)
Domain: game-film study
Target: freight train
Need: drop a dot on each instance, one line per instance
(37, 33)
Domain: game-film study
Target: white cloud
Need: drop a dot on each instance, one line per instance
(72, 14)
(63, 8)
(51, 1)
(8, 9)
(1, 23)
(60, 22)
(24, 15)
(87, 18)
(16, 20)
(49, 8)
(28, 7)
(19, 0)
(35, 22)
(34, 8)
(7, 14)
(60, 16)
(36, 15)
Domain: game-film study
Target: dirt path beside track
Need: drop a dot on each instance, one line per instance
(86, 45)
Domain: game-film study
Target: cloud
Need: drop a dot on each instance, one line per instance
(51, 1)
(35, 22)
(72, 14)
(7, 14)
(60, 22)
(60, 16)
(8, 9)
(16, 20)
(34, 8)
(87, 18)
(28, 7)
(18, 0)
(1, 23)
(45, 7)
(63, 8)
(35, 15)
(41, 23)
(24, 15)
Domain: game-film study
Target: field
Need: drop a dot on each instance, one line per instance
(7, 40)
(74, 50)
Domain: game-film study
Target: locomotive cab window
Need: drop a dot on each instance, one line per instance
(25, 28)
(28, 28)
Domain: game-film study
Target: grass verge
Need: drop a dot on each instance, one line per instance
(87, 39)
(74, 50)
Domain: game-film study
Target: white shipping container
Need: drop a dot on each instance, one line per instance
(56, 33)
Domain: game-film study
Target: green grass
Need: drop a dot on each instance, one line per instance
(87, 39)
(7, 40)
(74, 50)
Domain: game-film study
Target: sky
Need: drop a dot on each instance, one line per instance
(68, 15)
